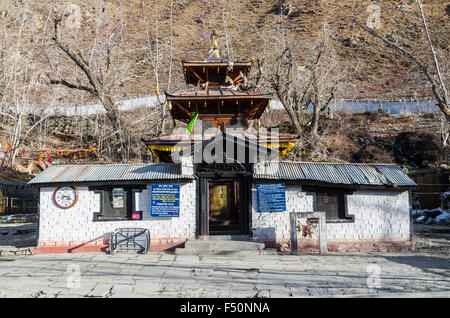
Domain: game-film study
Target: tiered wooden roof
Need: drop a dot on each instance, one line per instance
(218, 103)
(218, 93)
(196, 72)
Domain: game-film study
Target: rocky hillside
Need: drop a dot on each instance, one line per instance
(135, 28)
(130, 44)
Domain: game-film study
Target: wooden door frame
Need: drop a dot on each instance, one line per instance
(203, 215)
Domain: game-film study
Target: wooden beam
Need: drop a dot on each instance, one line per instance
(198, 76)
(256, 109)
(182, 108)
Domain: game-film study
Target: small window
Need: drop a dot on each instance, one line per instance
(118, 198)
(333, 204)
(216, 78)
(117, 203)
(16, 203)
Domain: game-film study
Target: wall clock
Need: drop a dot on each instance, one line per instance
(65, 197)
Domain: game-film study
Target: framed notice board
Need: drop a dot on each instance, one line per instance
(271, 197)
(165, 200)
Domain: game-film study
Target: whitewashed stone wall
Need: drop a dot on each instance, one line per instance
(76, 224)
(276, 225)
(378, 214)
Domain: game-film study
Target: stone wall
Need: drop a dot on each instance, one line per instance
(72, 230)
(381, 221)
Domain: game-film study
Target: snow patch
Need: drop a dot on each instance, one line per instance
(433, 216)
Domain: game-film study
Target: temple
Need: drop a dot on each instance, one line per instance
(218, 95)
(224, 178)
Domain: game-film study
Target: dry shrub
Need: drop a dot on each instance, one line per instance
(377, 116)
(416, 147)
(327, 148)
(407, 118)
(433, 116)
(373, 153)
(357, 118)
(342, 147)
(372, 115)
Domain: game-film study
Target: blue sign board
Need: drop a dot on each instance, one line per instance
(165, 200)
(271, 197)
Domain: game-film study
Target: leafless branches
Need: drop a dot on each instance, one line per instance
(302, 77)
(100, 77)
(438, 86)
(155, 56)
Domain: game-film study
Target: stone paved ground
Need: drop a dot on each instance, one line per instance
(167, 275)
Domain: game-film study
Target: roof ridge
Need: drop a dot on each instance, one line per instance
(112, 164)
(333, 163)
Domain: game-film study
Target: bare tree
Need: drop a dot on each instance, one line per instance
(154, 55)
(432, 73)
(325, 77)
(101, 74)
(303, 77)
(19, 80)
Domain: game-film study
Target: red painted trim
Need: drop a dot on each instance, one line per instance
(100, 246)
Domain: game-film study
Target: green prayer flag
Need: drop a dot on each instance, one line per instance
(191, 123)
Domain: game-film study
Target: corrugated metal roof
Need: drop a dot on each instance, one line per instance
(337, 173)
(108, 172)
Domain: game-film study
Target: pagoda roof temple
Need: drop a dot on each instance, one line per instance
(217, 94)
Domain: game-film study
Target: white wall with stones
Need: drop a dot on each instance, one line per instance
(76, 224)
(378, 214)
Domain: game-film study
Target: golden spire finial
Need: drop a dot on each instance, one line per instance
(214, 52)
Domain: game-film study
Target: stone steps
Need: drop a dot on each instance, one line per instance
(221, 228)
(227, 245)
(13, 251)
(235, 253)
(224, 245)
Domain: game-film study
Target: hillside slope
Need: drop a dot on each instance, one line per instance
(244, 27)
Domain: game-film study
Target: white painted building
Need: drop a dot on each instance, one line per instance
(236, 188)
(367, 206)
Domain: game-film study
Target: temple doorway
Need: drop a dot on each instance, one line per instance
(224, 207)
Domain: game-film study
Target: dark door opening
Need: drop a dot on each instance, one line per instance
(224, 208)
(224, 204)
